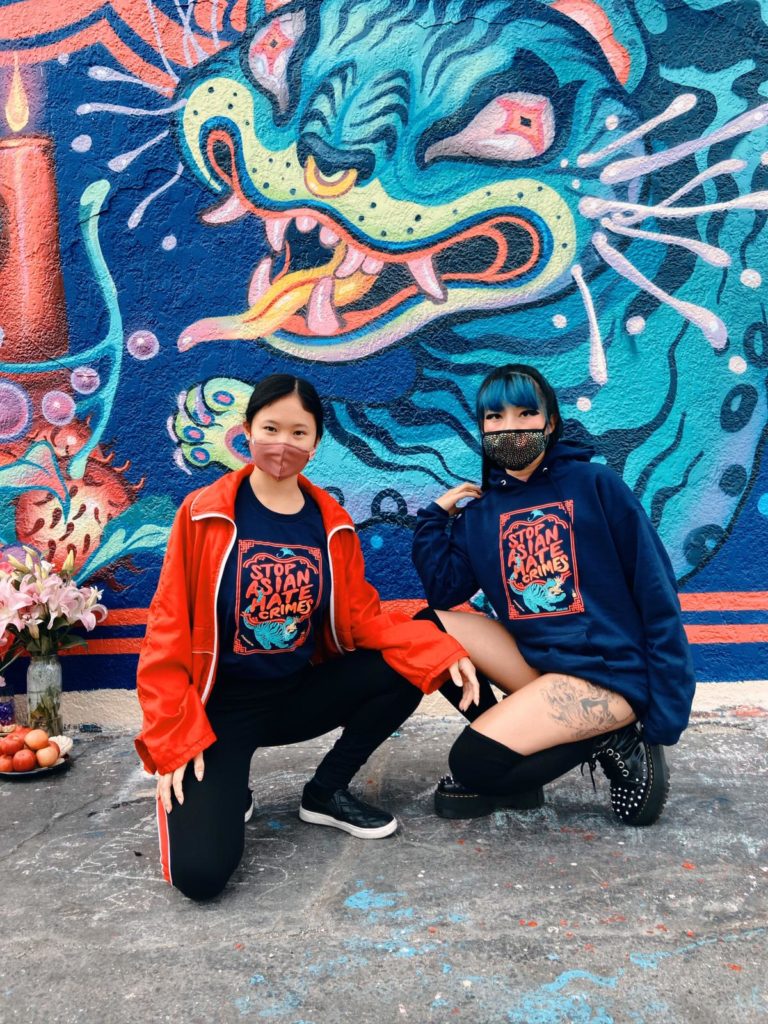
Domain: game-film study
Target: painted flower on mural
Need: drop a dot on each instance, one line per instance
(77, 523)
(54, 513)
(60, 490)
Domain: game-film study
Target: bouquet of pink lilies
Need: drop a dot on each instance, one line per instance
(39, 605)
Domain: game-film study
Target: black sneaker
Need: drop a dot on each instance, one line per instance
(638, 774)
(452, 800)
(250, 805)
(345, 811)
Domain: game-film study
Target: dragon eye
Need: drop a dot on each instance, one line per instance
(514, 126)
(271, 49)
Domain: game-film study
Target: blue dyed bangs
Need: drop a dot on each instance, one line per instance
(513, 389)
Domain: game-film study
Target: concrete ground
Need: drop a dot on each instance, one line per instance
(556, 916)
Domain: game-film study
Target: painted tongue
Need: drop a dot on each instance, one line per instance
(321, 316)
(272, 304)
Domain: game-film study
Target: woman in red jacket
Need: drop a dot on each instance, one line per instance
(262, 587)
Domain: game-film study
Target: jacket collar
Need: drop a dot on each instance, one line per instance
(218, 499)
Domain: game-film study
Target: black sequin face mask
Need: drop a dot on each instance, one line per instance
(514, 449)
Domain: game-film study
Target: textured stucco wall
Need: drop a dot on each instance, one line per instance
(389, 197)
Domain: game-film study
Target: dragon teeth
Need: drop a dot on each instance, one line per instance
(276, 228)
(426, 278)
(371, 265)
(352, 261)
(229, 209)
(328, 238)
(260, 280)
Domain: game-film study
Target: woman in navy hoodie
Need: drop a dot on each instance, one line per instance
(587, 640)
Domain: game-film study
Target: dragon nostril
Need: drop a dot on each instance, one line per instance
(221, 156)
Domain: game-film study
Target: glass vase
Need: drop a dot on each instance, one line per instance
(7, 714)
(44, 694)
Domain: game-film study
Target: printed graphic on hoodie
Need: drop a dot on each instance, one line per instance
(278, 588)
(538, 561)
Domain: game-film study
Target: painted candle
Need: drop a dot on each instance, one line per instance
(32, 309)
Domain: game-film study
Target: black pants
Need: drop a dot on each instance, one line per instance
(202, 839)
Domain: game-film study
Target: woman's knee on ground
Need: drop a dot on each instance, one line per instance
(199, 879)
(202, 861)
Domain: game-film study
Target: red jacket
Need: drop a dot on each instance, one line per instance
(177, 665)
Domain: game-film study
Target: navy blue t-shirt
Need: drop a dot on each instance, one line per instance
(274, 592)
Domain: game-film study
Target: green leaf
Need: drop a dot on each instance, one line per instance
(145, 526)
(72, 641)
(9, 659)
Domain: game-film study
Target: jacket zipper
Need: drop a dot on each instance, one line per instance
(196, 519)
(333, 601)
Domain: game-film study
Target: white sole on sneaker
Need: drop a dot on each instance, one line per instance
(315, 818)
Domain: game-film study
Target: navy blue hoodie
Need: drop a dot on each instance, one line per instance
(573, 567)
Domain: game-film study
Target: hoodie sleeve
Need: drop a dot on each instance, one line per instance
(440, 554)
(651, 579)
(175, 726)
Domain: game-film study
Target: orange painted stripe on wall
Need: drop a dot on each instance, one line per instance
(737, 633)
(127, 645)
(729, 600)
(127, 617)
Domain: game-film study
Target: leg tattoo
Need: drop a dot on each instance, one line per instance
(583, 708)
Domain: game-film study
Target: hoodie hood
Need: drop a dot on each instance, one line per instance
(559, 455)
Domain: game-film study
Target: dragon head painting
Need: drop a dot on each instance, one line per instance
(481, 181)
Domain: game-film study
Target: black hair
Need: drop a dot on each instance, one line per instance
(278, 385)
(509, 380)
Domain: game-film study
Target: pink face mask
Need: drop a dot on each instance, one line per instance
(278, 459)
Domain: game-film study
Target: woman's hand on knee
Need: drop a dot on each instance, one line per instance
(462, 672)
(173, 782)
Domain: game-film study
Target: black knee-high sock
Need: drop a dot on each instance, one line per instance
(489, 767)
(450, 690)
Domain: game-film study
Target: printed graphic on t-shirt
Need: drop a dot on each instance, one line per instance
(278, 588)
(538, 561)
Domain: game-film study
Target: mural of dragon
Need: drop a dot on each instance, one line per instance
(493, 208)
(391, 198)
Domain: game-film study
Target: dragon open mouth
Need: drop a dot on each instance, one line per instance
(357, 283)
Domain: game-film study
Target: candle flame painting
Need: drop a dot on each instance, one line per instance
(389, 197)
(17, 107)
